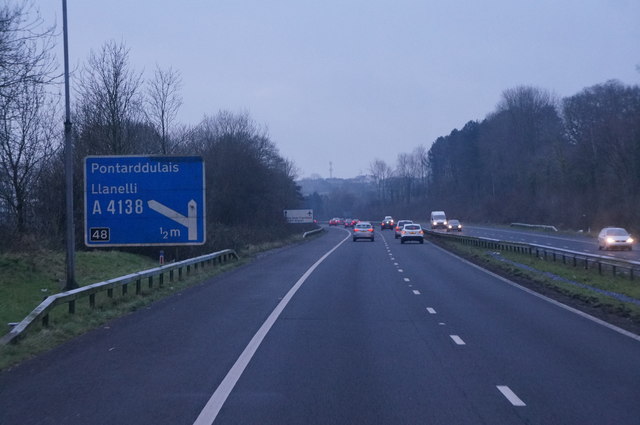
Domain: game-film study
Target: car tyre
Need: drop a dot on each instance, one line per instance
(354, 239)
(421, 240)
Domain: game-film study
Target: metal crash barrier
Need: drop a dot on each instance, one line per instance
(573, 258)
(41, 312)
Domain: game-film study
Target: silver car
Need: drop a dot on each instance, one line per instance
(614, 237)
(399, 226)
(363, 230)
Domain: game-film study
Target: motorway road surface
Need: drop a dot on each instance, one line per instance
(376, 333)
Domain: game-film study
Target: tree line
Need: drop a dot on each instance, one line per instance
(117, 112)
(572, 162)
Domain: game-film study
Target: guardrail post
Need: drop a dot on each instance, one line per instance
(92, 300)
(171, 275)
(45, 320)
(125, 289)
(150, 282)
(138, 286)
(613, 268)
(631, 273)
(179, 273)
(599, 267)
(110, 292)
(575, 261)
(161, 279)
(72, 307)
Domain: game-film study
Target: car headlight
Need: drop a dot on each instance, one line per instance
(630, 240)
(610, 240)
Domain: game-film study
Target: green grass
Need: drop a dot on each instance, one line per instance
(28, 278)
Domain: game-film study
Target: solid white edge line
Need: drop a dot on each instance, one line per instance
(416, 292)
(545, 298)
(217, 400)
(431, 310)
(510, 395)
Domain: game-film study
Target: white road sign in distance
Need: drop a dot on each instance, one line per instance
(144, 200)
(299, 216)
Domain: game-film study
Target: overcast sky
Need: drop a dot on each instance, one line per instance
(346, 81)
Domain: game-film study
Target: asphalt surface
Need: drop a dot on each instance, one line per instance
(377, 333)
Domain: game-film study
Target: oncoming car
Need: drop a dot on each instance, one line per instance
(454, 224)
(412, 232)
(614, 237)
(363, 230)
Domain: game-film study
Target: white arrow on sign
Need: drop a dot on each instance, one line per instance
(190, 221)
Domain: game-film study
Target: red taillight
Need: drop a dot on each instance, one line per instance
(421, 232)
(371, 230)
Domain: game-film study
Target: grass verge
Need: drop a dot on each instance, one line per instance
(623, 314)
(35, 276)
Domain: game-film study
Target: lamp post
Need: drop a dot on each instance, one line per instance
(68, 161)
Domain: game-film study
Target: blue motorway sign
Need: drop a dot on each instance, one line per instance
(144, 200)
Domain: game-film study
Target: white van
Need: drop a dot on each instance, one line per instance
(438, 220)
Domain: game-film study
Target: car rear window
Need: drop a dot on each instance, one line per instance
(412, 227)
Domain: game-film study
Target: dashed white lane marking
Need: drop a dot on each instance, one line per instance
(400, 270)
(406, 279)
(210, 411)
(416, 292)
(441, 323)
(431, 310)
(510, 395)
(395, 264)
(457, 339)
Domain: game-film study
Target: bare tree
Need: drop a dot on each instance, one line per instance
(26, 109)
(25, 48)
(381, 173)
(27, 140)
(110, 103)
(163, 102)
